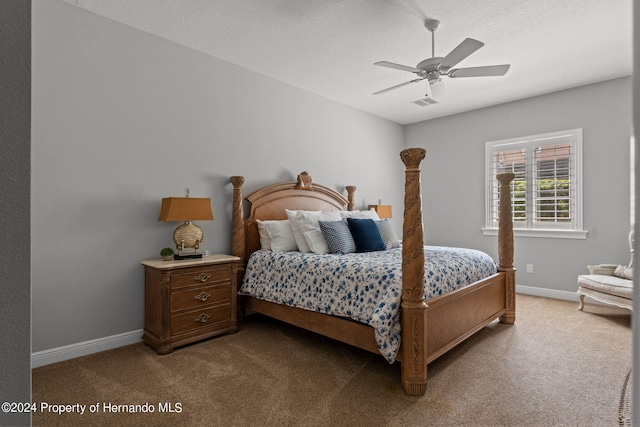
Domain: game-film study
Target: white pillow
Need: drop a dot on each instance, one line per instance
(265, 240)
(282, 239)
(301, 242)
(278, 235)
(307, 222)
(370, 214)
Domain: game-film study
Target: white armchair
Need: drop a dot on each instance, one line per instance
(608, 283)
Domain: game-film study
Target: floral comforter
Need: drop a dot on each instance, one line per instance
(365, 287)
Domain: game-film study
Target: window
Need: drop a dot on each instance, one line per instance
(546, 194)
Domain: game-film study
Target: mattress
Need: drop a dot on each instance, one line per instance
(365, 287)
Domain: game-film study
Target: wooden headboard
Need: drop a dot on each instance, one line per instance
(269, 203)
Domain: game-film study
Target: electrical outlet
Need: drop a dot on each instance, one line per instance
(529, 268)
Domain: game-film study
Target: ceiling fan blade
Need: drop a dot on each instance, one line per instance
(397, 86)
(464, 49)
(398, 66)
(490, 70)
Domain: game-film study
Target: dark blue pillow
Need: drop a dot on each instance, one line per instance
(366, 235)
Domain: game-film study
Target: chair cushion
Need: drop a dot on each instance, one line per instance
(607, 284)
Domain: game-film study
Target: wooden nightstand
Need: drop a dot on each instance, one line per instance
(190, 300)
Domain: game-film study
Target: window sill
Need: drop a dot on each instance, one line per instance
(549, 234)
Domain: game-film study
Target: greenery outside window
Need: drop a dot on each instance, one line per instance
(547, 190)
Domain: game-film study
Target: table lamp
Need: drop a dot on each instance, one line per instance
(187, 209)
(383, 211)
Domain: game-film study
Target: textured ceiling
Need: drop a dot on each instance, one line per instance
(328, 47)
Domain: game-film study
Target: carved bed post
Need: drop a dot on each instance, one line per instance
(505, 245)
(237, 223)
(351, 189)
(413, 316)
(238, 247)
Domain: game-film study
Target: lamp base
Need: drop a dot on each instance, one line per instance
(187, 235)
(187, 256)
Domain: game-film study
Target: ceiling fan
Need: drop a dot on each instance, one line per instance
(432, 69)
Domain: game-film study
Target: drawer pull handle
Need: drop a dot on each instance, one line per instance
(203, 277)
(202, 296)
(202, 318)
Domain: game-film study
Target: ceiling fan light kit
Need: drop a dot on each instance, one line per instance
(432, 69)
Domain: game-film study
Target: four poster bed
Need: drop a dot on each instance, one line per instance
(426, 329)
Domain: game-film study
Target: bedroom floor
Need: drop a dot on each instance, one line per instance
(555, 366)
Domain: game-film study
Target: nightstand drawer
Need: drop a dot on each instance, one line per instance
(202, 318)
(199, 276)
(200, 296)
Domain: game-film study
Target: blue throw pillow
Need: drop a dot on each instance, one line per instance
(366, 235)
(338, 236)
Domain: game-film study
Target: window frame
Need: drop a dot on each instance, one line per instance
(530, 228)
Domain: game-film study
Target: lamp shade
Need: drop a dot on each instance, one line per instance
(185, 209)
(383, 211)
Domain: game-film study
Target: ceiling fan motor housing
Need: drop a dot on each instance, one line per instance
(431, 68)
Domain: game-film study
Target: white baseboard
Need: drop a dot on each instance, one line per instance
(72, 351)
(59, 354)
(547, 293)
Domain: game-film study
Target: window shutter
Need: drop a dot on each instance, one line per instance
(553, 184)
(513, 160)
(545, 193)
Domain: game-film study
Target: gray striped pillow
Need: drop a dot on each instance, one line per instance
(389, 236)
(338, 236)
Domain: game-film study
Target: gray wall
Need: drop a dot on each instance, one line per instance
(454, 209)
(15, 110)
(121, 119)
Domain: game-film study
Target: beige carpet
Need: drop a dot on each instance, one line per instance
(557, 366)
